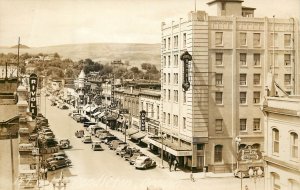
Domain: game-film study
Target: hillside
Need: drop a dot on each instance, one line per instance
(21, 46)
(104, 52)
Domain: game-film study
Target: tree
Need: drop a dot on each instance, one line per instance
(135, 70)
(56, 55)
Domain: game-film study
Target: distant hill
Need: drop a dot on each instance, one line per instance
(136, 54)
(21, 46)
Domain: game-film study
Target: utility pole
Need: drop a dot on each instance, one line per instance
(12, 163)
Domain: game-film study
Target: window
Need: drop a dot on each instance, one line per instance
(152, 110)
(256, 124)
(175, 78)
(243, 58)
(219, 78)
(175, 120)
(169, 60)
(169, 43)
(256, 97)
(219, 125)
(287, 40)
(275, 138)
(287, 79)
(184, 96)
(287, 59)
(256, 59)
(175, 60)
(294, 145)
(157, 108)
(175, 95)
(165, 61)
(147, 109)
(243, 124)
(164, 117)
(243, 39)
(256, 39)
(184, 122)
(184, 39)
(243, 79)
(256, 79)
(169, 118)
(169, 78)
(165, 77)
(169, 95)
(219, 58)
(218, 153)
(243, 97)
(176, 41)
(275, 181)
(273, 39)
(274, 60)
(165, 93)
(219, 97)
(164, 44)
(219, 38)
(223, 6)
(200, 146)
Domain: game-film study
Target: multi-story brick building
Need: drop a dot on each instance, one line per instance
(231, 56)
(282, 130)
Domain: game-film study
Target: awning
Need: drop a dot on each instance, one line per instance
(111, 117)
(101, 114)
(138, 136)
(97, 113)
(145, 139)
(131, 131)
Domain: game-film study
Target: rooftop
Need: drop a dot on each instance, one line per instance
(215, 1)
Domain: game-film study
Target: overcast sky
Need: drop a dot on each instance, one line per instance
(53, 22)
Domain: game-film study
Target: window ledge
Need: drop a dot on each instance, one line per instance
(244, 85)
(257, 85)
(219, 85)
(219, 65)
(244, 66)
(219, 45)
(256, 104)
(257, 46)
(243, 105)
(220, 105)
(259, 131)
(257, 66)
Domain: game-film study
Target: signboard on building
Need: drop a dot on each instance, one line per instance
(249, 154)
(33, 87)
(143, 120)
(186, 57)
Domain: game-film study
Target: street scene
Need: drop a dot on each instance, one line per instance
(149, 95)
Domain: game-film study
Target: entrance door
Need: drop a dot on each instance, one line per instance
(200, 162)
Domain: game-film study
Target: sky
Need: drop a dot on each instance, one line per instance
(54, 22)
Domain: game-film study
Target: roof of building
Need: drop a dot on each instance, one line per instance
(215, 1)
(250, 8)
(81, 75)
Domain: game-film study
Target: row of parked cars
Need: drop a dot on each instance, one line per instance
(57, 160)
(131, 154)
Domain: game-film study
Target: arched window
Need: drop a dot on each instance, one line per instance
(256, 146)
(275, 139)
(275, 181)
(218, 153)
(294, 144)
(242, 146)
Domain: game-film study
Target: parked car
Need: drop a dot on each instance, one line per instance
(88, 123)
(79, 133)
(49, 135)
(144, 162)
(64, 144)
(130, 152)
(33, 137)
(87, 139)
(96, 146)
(100, 132)
(83, 119)
(58, 162)
(134, 157)
(113, 145)
(108, 139)
(54, 155)
(64, 107)
(120, 148)
(95, 128)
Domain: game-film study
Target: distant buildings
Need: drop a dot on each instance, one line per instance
(282, 152)
(231, 55)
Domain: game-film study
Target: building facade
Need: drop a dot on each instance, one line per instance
(282, 130)
(231, 56)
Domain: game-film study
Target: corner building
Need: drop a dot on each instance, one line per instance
(231, 56)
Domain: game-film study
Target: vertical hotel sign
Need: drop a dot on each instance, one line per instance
(186, 57)
(143, 120)
(33, 86)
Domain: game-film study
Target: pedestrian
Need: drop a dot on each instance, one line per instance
(46, 173)
(175, 162)
(170, 163)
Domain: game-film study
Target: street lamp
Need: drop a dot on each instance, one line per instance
(255, 173)
(238, 142)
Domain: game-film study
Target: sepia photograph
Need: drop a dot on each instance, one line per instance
(149, 94)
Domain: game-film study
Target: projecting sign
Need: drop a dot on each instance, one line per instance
(143, 120)
(249, 154)
(186, 57)
(33, 86)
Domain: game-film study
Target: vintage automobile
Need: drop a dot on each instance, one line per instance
(100, 132)
(87, 139)
(79, 133)
(54, 155)
(144, 162)
(129, 152)
(113, 145)
(120, 148)
(64, 144)
(96, 146)
(108, 139)
(134, 157)
(58, 162)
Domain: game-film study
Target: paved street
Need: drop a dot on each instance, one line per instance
(105, 170)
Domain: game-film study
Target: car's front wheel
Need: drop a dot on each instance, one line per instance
(53, 168)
